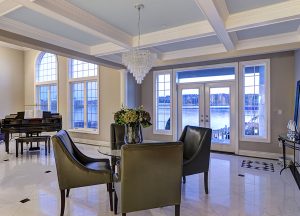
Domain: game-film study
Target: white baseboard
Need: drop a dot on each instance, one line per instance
(261, 154)
(91, 142)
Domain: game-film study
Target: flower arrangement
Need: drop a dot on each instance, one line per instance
(133, 116)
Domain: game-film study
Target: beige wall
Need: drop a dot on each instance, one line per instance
(11, 81)
(282, 98)
(110, 91)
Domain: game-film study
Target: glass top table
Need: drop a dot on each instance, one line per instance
(106, 150)
(116, 150)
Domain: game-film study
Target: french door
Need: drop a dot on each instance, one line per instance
(209, 105)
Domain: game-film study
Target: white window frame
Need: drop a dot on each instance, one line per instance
(70, 97)
(155, 75)
(253, 138)
(45, 83)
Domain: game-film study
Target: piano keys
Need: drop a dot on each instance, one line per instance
(16, 123)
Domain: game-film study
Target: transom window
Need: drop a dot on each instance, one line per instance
(47, 67)
(46, 82)
(83, 69)
(84, 95)
(162, 101)
(255, 99)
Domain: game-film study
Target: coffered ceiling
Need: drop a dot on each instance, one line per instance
(174, 29)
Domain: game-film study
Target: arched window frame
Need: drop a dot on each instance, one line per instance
(48, 86)
(82, 76)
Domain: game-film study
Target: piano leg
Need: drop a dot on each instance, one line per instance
(6, 139)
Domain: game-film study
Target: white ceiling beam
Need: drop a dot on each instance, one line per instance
(281, 12)
(38, 34)
(210, 10)
(273, 40)
(8, 6)
(193, 52)
(280, 42)
(175, 34)
(167, 36)
(106, 49)
(69, 14)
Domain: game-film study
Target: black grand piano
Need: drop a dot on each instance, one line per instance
(16, 123)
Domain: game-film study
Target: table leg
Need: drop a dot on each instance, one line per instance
(283, 152)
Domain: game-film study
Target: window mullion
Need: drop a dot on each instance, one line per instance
(85, 104)
(49, 98)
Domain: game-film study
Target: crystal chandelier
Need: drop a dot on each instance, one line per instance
(138, 62)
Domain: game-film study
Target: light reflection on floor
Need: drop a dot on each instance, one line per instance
(259, 193)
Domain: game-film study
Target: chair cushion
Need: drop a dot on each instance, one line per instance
(191, 142)
(98, 166)
(63, 136)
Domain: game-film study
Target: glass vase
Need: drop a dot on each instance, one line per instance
(133, 134)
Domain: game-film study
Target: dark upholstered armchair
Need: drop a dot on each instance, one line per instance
(196, 151)
(74, 169)
(149, 176)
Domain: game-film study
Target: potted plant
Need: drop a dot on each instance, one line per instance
(133, 119)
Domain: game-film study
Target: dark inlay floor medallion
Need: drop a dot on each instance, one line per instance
(258, 165)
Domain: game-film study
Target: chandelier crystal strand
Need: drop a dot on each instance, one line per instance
(138, 62)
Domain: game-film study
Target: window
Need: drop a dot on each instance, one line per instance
(84, 96)
(46, 82)
(162, 102)
(209, 73)
(255, 111)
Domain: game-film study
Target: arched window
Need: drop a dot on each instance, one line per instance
(46, 82)
(84, 90)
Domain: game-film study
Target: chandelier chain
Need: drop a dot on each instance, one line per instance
(139, 26)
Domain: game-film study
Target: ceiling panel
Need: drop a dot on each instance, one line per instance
(43, 22)
(199, 42)
(235, 6)
(157, 14)
(274, 29)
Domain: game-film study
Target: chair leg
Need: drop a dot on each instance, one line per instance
(62, 202)
(22, 148)
(46, 147)
(49, 145)
(177, 210)
(110, 191)
(206, 182)
(17, 149)
(68, 192)
(115, 203)
(183, 179)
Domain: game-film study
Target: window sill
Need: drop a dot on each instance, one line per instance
(86, 131)
(257, 139)
(162, 132)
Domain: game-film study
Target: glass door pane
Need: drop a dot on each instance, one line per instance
(190, 107)
(219, 101)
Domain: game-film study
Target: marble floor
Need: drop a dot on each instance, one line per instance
(234, 191)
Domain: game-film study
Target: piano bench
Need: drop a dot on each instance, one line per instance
(37, 139)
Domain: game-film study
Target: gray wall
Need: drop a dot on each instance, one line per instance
(133, 92)
(282, 98)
